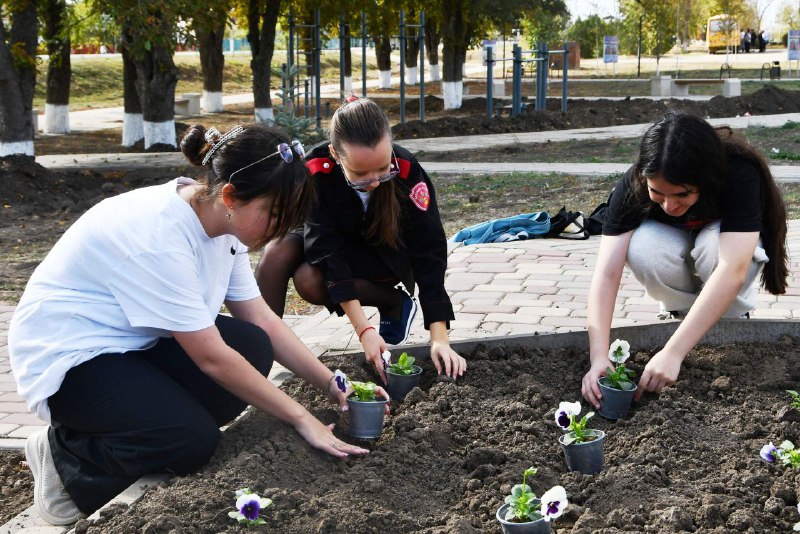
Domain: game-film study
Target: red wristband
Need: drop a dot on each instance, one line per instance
(370, 327)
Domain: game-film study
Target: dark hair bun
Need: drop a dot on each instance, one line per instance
(193, 144)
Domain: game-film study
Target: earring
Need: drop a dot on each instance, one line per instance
(229, 214)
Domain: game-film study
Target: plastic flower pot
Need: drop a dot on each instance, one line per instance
(366, 418)
(616, 403)
(398, 385)
(586, 457)
(540, 526)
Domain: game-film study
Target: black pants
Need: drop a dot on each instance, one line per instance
(120, 416)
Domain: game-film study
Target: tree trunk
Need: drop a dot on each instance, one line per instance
(132, 124)
(412, 43)
(56, 35)
(383, 56)
(261, 35)
(212, 61)
(17, 81)
(432, 40)
(156, 77)
(348, 61)
(453, 75)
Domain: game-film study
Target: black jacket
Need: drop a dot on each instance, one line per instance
(338, 217)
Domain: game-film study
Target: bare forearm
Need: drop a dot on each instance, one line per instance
(293, 354)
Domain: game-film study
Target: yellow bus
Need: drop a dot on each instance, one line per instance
(722, 31)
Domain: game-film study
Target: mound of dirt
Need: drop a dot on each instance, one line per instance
(687, 460)
(592, 113)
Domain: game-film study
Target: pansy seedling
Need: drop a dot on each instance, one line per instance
(566, 417)
(522, 505)
(386, 358)
(364, 391)
(786, 452)
(618, 376)
(248, 507)
(404, 365)
(795, 398)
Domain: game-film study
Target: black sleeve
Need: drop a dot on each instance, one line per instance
(426, 244)
(741, 201)
(625, 211)
(323, 240)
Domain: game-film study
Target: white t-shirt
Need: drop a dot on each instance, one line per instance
(132, 269)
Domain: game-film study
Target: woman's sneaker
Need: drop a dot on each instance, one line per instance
(49, 496)
(395, 331)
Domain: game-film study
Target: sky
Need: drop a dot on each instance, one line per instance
(584, 8)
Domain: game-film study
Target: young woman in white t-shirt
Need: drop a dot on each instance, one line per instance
(118, 341)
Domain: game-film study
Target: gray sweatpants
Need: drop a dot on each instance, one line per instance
(673, 264)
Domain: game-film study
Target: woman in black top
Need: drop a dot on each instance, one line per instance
(374, 229)
(696, 219)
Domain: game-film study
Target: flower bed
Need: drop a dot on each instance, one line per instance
(685, 460)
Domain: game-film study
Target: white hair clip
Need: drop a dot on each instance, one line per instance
(211, 133)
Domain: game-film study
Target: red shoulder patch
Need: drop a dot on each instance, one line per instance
(420, 196)
(405, 168)
(323, 165)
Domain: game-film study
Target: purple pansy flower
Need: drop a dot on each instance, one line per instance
(565, 410)
(249, 506)
(341, 380)
(554, 502)
(769, 453)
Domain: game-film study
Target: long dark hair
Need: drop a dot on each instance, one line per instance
(362, 122)
(686, 150)
(288, 184)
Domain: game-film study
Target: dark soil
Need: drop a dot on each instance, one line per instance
(687, 460)
(16, 484)
(589, 113)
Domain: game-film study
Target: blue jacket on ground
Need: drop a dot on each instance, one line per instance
(524, 226)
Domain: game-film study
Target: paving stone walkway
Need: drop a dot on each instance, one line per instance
(497, 289)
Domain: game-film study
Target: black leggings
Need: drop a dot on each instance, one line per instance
(120, 416)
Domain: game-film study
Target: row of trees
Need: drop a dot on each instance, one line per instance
(148, 32)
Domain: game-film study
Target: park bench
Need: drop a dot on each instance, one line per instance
(730, 86)
(188, 104)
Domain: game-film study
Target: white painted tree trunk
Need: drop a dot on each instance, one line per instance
(411, 76)
(265, 115)
(132, 128)
(312, 87)
(159, 133)
(348, 85)
(385, 79)
(16, 148)
(452, 93)
(212, 102)
(56, 118)
(436, 73)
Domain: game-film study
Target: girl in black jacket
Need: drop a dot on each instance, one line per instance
(373, 234)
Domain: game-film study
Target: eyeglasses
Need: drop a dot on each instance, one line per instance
(359, 185)
(286, 152)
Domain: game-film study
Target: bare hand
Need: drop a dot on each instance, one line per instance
(445, 357)
(321, 437)
(661, 371)
(589, 388)
(374, 345)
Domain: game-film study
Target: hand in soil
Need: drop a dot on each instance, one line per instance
(589, 388)
(444, 356)
(321, 437)
(374, 345)
(661, 371)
